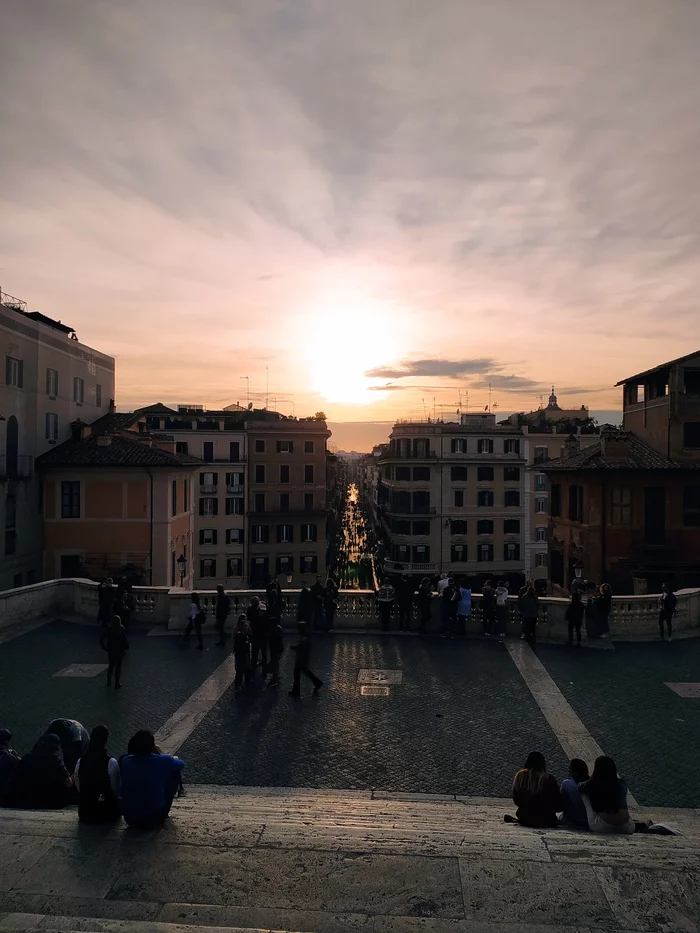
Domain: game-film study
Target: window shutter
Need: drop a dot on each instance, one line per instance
(201, 506)
(215, 537)
(20, 374)
(216, 507)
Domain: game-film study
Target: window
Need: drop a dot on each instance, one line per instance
(309, 532)
(233, 505)
(459, 445)
(285, 534)
(285, 564)
(285, 447)
(70, 499)
(98, 395)
(540, 482)
(284, 473)
(421, 474)
(207, 567)
(14, 372)
(541, 454)
(209, 506)
(421, 528)
(540, 505)
(260, 473)
(511, 474)
(484, 526)
(173, 497)
(691, 434)
(259, 447)
(234, 566)
(234, 451)
(458, 553)
(554, 500)
(511, 445)
(458, 474)
(207, 535)
(540, 560)
(51, 426)
(458, 498)
(575, 503)
(309, 563)
(691, 506)
(541, 533)
(484, 497)
(308, 447)
(621, 513)
(208, 451)
(181, 447)
(400, 526)
(235, 482)
(421, 554)
(260, 534)
(185, 495)
(284, 502)
(485, 445)
(511, 551)
(259, 502)
(511, 526)
(309, 473)
(421, 503)
(308, 502)
(78, 390)
(52, 382)
(208, 482)
(458, 527)
(234, 536)
(402, 553)
(484, 553)
(402, 474)
(484, 474)
(512, 498)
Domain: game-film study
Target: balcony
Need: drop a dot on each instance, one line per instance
(18, 469)
(207, 489)
(409, 455)
(235, 490)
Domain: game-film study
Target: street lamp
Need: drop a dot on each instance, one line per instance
(578, 569)
(289, 579)
(182, 563)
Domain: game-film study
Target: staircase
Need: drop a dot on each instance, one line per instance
(315, 861)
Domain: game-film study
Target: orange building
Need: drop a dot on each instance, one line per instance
(113, 497)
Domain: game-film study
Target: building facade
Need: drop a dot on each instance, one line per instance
(48, 379)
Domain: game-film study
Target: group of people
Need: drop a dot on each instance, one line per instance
(115, 600)
(68, 765)
(597, 801)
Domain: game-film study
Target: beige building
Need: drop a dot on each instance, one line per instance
(552, 412)
(48, 379)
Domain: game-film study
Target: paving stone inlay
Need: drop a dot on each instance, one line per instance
(688, 691)
(370, 691)
(379, 677)
(81, 670)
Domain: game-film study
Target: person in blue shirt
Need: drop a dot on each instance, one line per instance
(464, 605)
(573, 809)
(149, 782)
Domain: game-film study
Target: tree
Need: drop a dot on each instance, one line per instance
(320, 416)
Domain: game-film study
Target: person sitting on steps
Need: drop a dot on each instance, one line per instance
(573, 810)
(536, 794)
(149, 782)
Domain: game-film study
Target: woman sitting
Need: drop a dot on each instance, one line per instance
(605, 799)
(40, 780)
(536, 794)
(573, 811)
(98, 781)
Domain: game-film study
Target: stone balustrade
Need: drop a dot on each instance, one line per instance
(633, 618)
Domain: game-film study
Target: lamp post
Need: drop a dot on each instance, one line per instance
(289, 579)
(182, 563)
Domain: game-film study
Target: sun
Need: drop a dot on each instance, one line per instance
(345, 343)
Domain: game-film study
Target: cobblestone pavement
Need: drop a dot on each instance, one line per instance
(652, 733)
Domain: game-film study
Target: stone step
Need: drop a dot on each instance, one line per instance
(23, 922)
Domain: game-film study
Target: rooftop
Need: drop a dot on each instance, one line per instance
(656, 369)
(617, 450)
(115, 451)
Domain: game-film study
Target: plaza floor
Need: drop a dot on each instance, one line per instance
(461, 722)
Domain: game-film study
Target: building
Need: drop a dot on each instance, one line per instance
(118, 501)
(48, 380)
(450, 499)
(628, 515)
(286, 500)
(551, 413)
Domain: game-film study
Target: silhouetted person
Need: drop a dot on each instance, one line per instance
(196, 620)
(305, 611)
(116, 644)
(425, 603)
(450, 601)
(528, 603)
(574, 617)
(276, 645)
(318, 594)
(604, 608)
(241, 652)
(41, 780)
(98, 781)
(301, 663)
(105, 601)
(536, 794)
(223, 607)
(259, 630)
(149, 782)
(9, 759)
(386, 595)
(667, 607)
(488, 607)
(125, 601)
(74, 739)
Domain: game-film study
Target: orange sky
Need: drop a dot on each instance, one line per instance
(371, 206)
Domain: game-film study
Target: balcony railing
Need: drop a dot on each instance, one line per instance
(208, 489)
(403, 510)
(409, 455)
(19, 468)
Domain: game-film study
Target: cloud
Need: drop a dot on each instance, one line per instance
(508, 383)
(435, 367)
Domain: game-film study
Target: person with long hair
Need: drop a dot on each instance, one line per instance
(41, 780)
(98, 781)
(573, 811)
(536, 794)
(604, 796)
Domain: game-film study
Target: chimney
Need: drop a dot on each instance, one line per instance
(112, 407)
(79, 430)
(571, 447)
(614, 444)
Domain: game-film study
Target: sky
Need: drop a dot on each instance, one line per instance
(373, 209)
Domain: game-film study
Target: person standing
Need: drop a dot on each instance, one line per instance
(502, 611)
(464, 605)
(488, 607)
(221, 611)
(274, 607)
(386, 594)
(305, 611)
(528, 604)
(604, 609)
(276, 643)
(318, 593)
(105, 602)
(116, 644)
(667, 607)
(125, 601)
(196, 621)
(442, 583)
(405, 602)
(425, 604)
(257, 619)
(241, 652)
(574, 617)
(450, 600)
(301, 663)
(330, 603)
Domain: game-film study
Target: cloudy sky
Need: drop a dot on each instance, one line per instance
(371, 204)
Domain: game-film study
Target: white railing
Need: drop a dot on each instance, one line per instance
(633, 618)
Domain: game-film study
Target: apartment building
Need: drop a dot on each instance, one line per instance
(48, 379)
(451, 499)
(286, 500)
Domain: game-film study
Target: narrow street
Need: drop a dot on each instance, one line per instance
(355, 569)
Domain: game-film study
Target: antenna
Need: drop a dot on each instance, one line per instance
(247, 379)
(489, 406)
(267, 387)
(425, 410)
(467, 402)
(434, 409)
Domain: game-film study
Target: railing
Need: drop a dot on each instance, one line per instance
(208, 489)
(399, 566)
(408, 455)
(235, 490)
